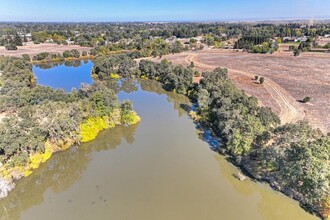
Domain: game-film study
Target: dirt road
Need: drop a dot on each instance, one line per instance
(289, 110)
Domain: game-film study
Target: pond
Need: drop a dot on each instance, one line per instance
(65, 75)
(157, 169)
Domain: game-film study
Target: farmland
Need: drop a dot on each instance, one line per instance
(288, 80)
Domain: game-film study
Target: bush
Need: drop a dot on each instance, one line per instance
(41, 56)
(192, 64)
(306, 99)
(197, 74)
(10, 47)
(296, 52)
(75, 53)
(26, 57)
(84, 53)
(91, 127)
(292, 48)
(67, 54)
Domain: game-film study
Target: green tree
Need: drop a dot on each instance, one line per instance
(306, 99)
(296, 52)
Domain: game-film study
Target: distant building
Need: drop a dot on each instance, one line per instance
(49, 40)
(288, 39)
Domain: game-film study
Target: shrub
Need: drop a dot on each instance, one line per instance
(10, 47)
(306, 99)
(75, 53)
(26, 57)
(67, 54)
(292, 48)
(91, 127)
(41, 56)
(296, 52)
(197, 74)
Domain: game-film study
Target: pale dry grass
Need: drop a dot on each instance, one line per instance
(34, 49)
(288, 80)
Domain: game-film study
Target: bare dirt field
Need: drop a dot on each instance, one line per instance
(34, 49)
(323, 41)
(288, 79)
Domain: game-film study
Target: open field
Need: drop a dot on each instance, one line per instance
(34, 49)
(288, 79)
(323, 41)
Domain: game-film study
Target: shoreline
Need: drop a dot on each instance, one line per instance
(204, 126)
(11, 175)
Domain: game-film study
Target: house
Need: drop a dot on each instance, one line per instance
(49, 40)
(288, 39)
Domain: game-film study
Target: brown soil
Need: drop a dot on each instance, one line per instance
(34, 49)
(288, 79)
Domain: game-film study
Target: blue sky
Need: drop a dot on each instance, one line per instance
(155, 10)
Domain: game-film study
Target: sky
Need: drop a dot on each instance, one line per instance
(155, 10)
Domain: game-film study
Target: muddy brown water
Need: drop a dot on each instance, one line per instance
(158, 169)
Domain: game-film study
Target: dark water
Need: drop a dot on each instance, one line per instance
(158, 169)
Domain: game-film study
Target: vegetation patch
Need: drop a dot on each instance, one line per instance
(40, 120)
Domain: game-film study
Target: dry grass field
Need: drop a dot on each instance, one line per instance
(288, 80)
(34, 49)
(323, 41)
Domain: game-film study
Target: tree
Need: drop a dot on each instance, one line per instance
(75, 53)
(67, 54)
(256, 78)
(11, 46)
(192, 65)
(292, 48)
(261, 80)
(17, 40)
(306, 99)
(296, 52)
(26, 57)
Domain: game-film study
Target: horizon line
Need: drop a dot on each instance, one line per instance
(287, 19)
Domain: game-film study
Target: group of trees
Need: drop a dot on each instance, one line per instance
(174, 78)
(142, 47)
(53, 57)
(257, 44)
(43, 36)
(40, 120)
(11, 41)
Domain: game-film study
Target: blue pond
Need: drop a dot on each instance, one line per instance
(65, 76)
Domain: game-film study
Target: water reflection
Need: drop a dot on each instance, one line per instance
(67, 63)
(60, 172)
(178, 100)
(64, 75)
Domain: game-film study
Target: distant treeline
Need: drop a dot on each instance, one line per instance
(100, 34)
